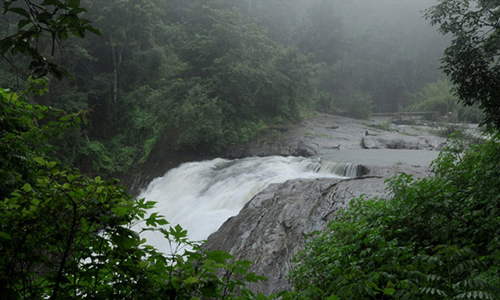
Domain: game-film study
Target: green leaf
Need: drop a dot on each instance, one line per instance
(5, 236)
(6, 44)
(27, 187)
(162, 222)
(23, 23)
(389, 291)
(16, 194)
(71, 177)
(176, 282)
(93, 30)
(40, 161)
(219, 256)
(51, 164)
(191, 280)
(119, 211)
(178, 232)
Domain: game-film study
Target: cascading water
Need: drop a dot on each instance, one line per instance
(200, 196)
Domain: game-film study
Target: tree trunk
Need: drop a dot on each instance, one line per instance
(116, 65)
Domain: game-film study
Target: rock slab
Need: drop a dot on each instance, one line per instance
(272, 227)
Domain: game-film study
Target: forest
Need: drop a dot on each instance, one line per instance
(91, 89)
(198, 76)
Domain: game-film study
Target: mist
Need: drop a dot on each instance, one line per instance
(195, 77)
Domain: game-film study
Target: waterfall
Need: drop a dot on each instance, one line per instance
(201, 196)
(340, 169)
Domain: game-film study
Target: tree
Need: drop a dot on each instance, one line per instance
(473, 59)
(321, 32)
(52, 19)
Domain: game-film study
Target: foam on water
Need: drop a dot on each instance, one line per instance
(201, 196)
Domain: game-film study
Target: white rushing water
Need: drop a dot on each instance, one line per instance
(201, 196)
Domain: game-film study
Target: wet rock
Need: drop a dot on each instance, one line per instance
(273, 226)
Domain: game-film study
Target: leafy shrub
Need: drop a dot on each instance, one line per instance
(25, 132)
(437, 238)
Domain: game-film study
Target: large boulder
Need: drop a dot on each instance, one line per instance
(272, 227)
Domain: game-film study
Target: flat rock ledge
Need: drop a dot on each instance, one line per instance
(272, 227)
(325, 133)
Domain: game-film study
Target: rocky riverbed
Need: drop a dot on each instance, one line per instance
(272, 227)
(323, 133)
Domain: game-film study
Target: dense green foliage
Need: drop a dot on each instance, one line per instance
(26, 132)
(472, 60)
(190, 72)
(208, 74)
(67, 236)
(64, 235)
(437, 238)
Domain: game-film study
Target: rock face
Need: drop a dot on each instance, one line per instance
(272, 227)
